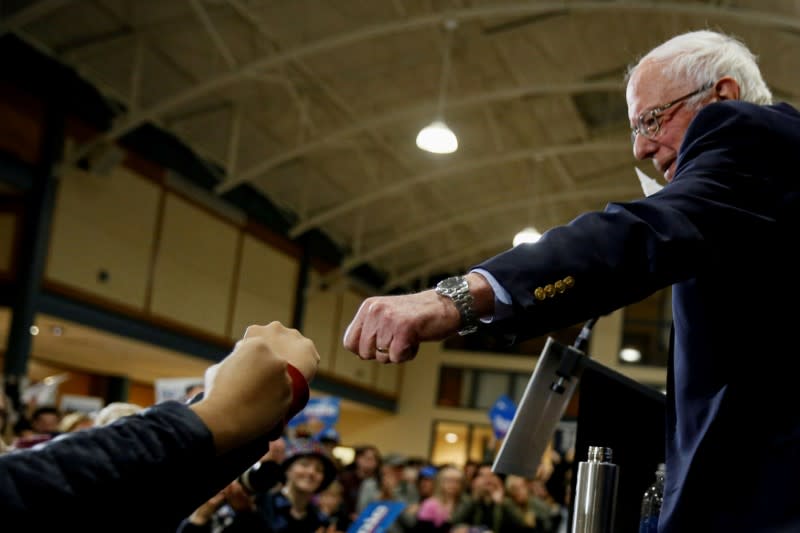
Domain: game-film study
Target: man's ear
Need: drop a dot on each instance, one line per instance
(726, 88)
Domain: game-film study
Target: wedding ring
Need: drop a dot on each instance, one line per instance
(382, 350)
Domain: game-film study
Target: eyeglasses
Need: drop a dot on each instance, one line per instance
(649, 122)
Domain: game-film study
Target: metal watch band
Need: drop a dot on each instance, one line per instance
(457, 289)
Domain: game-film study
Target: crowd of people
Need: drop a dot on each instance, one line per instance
(299, 485)
(33, 424)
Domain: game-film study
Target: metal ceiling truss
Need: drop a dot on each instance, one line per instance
(454, 171)
(447, 222)
(134, 119)
(396, 115)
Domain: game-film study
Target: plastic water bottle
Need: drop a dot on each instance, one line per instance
(651, 503)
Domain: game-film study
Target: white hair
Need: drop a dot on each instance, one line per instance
(706, 56)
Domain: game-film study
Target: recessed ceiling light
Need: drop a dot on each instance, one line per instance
(630, 355)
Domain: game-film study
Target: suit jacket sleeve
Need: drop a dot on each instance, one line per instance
(728, 185)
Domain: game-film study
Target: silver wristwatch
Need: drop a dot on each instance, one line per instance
(457, 289)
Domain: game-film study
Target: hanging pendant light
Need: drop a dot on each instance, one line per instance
(437, 137)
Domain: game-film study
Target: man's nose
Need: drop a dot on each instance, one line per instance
(643, 148)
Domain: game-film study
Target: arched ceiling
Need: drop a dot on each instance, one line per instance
(317, 103)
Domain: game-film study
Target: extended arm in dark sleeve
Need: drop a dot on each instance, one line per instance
(144, 471)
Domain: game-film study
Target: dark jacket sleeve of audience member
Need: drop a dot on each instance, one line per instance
(146, 471)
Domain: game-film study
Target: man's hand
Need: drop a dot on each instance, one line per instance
(249, 392)
(390, 328)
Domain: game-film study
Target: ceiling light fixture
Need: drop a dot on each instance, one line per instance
(529, 234)
(437, 137)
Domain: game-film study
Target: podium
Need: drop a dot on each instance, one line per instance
(622, 414)
(614, 411)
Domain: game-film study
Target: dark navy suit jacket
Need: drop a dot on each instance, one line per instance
(725, 233)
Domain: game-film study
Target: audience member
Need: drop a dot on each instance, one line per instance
(435, 512)
(307, 470)
(365, 465)
(487, 506)
(331, 502)
(45, 419)
(390, 485)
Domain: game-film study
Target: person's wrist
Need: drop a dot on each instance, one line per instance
(235, 425)
(223, 430)
(482, 294)
(300, 391)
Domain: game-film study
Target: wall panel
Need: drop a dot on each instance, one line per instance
(194, 267)
(102, 235)
(267, 280)
(321, 323)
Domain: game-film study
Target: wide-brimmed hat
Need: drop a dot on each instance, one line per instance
(298, 448)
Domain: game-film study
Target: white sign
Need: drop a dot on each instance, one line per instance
(80, 403)
(174, 388)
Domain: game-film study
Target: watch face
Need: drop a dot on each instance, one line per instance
(450, 283)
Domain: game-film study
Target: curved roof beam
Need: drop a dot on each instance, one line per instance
(443, 261)
(370, 123)
(477, 214)
(454, 170)
(132, 120)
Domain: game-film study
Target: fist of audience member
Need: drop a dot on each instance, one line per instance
(249, 392)
(288, 344)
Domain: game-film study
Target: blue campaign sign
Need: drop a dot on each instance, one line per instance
(501, 414)
(377, 517)
(323, 411)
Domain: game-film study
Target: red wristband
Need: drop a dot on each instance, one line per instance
(300, 393)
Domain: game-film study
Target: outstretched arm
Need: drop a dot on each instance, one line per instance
(151, 469)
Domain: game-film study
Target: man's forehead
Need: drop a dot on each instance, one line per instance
(647, 87)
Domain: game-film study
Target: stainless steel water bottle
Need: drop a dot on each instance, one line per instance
(595, 493)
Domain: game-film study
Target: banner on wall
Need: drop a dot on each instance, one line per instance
(174, 388)
(501, 414)
(318, 416)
